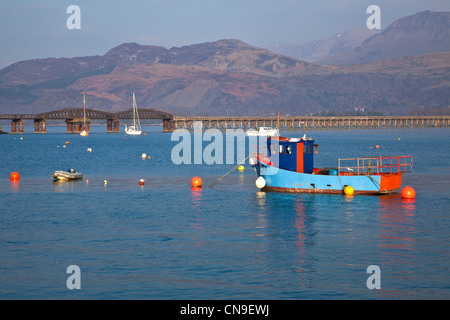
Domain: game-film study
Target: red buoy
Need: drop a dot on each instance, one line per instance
(196, 182)
(14, 176)
(408, 193)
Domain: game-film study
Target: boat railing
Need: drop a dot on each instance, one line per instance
(375, 165)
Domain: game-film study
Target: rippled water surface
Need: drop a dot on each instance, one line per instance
(166, 241)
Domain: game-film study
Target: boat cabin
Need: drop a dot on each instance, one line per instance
(294, 154)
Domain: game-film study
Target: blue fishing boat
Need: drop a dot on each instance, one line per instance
(287, 165)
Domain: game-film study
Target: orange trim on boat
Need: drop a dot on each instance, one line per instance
(300, 157)
(390, 181)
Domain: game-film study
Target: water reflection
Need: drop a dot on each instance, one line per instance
(261, 198)
(260, 215)
(15, 186)
(299, 223)
(397, 226)
(196, 196)
(241, 178)
(287, 222)
(397, 241)
(65, 186)
(197, 223)
(284, 214)
(409, 206)
(348, 198)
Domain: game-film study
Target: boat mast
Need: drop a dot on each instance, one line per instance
(84, 112)
(135, 114)
(278, 120)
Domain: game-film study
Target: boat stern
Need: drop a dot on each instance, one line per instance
(390, 183)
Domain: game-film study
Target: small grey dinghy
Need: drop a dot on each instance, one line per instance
(67, 175)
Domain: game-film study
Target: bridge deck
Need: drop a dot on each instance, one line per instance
(172, 123)
(71, 113)
(311, 123)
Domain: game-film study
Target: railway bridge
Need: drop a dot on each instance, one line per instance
(74, 118)
(287, 123)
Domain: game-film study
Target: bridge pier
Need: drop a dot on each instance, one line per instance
(40, 126)
(168, 125)
(17, 123)
(69, 127)
(76, 125)
(112, 125)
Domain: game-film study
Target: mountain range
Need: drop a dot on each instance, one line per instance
(401, 70)
(424, 32)
(314, 51)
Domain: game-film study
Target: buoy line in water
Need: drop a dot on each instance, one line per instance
(229, 172)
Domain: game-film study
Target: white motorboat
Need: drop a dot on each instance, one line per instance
(135, 128)
(263, 131)
(67, 175)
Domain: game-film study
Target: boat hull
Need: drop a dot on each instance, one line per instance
(280, 180)
(64, 175)
(263, 132)
(132, 131)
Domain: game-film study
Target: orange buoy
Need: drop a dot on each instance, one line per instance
(15, 176)
(141, 182)
(377, 147)
(408, 193)
(196, 182)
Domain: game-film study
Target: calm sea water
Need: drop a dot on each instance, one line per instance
(166, 241)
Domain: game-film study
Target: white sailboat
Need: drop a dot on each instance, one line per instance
(134, 129)
(84, 133)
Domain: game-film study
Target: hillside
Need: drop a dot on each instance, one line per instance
(190, 79)
(314, 51)
(423, 32)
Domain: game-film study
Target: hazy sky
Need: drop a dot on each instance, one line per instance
(37, 29)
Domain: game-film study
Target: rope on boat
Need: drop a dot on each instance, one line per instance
(367, 175)
(228, 173)
(377, 183)
(339, 177)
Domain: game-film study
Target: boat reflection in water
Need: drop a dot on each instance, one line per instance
(68, 175)
(396, 215)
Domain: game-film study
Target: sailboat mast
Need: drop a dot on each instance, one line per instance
(134, 110)
(278, 120)
(84, 112)
(136, 114)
